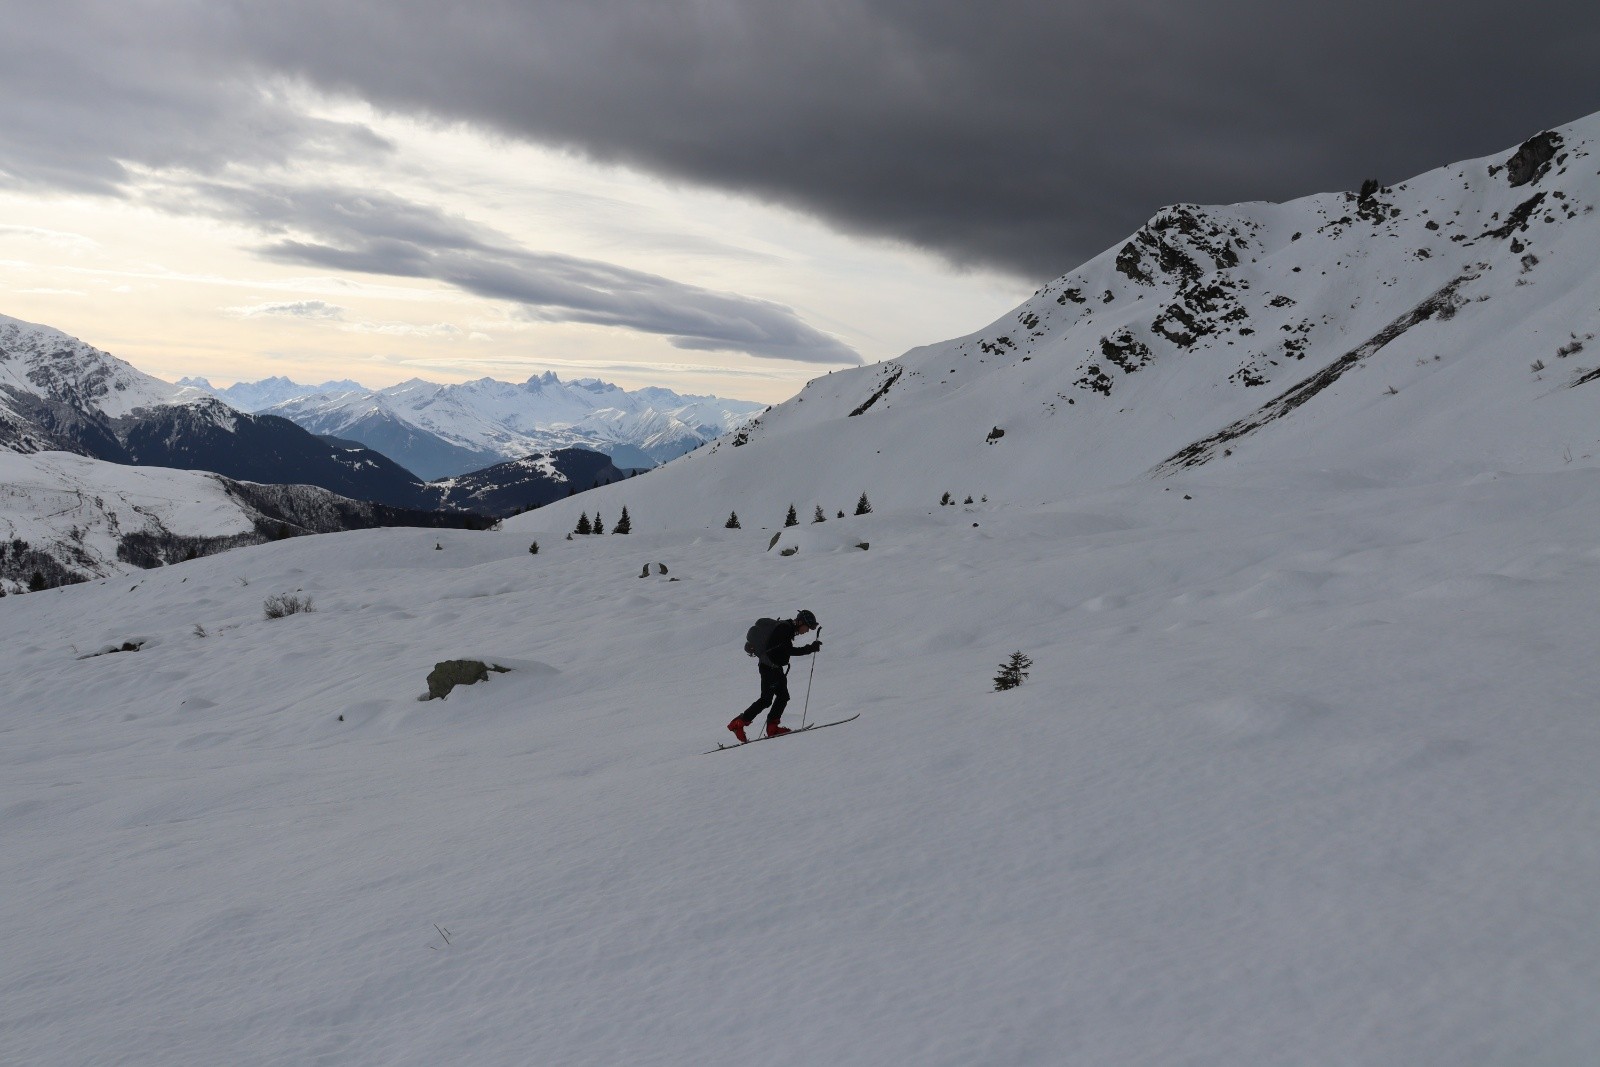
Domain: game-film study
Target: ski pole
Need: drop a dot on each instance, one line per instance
(807, 709)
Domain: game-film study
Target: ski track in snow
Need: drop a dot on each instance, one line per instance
(1297, 777)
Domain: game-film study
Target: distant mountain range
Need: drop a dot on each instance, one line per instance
(439, 430)
(60, 395)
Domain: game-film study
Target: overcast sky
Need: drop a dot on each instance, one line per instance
(723, 196)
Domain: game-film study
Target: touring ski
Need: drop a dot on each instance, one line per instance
(791, 733)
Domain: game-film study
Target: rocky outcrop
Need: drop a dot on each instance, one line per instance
(1533, 158)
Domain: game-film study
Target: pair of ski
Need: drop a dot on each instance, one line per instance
(791, 733)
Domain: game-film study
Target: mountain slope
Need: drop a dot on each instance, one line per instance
(66, 518)
(530, 482)
(1442, 327)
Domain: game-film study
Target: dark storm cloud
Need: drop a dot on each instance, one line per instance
(1023, 135)
(92, 91)
(377, 233)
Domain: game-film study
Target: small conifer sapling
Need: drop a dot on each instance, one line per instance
(1012, 672)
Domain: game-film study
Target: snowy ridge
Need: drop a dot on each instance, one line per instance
(257, 396)
(1443, 326)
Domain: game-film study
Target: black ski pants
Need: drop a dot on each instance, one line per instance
(774, 692)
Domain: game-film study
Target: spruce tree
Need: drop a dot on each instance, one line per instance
(819, 516)
(624, 525)
(863, 506)
(1012, 672)
(583, 524)
(792, 519)
(733, 521)
(599, 527)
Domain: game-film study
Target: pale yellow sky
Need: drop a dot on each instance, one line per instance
(178, 290)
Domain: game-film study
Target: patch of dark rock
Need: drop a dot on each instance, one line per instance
(447, 674)
(1532, 159)
(1126, 351)
(126, 646)
(1518, 218)
(894, 376)
(1130, 263)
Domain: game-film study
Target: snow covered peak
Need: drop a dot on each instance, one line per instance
(51, 367)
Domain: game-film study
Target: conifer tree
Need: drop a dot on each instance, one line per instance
(791, 519)
(624, 525)
(863, 506)
(1012, 672)
(819, 516)
(599, 527)
(733, 521)
(583, 524)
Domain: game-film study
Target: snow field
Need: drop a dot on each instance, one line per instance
(1302, 774)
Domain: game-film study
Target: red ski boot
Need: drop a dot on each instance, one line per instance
(737, 726)
(774, 730)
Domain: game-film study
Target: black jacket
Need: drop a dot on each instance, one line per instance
(780, 642)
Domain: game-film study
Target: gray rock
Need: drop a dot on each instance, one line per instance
(447, 674)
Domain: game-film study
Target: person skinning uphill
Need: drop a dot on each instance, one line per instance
(772, 645)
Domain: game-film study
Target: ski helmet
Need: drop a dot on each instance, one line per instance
(805, 618)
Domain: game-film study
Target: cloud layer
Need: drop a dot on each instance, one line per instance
(334, 228)
(1023, 136)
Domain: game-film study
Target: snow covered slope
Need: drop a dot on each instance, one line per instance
(450, 429)
(1438, 328)
(1303, 773)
